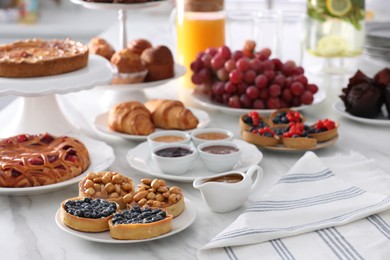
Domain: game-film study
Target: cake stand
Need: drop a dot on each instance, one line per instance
(39, 110)
(122, 13)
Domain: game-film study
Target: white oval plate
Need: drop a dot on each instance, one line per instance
(100, 125)
(139, 158)
(97, 72)
(206, 102)
(181, 222)
(179, 71)
(339, 107)
(101, 155)
(111, 6)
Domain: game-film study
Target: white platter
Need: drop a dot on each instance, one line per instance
(179, 71)
(100, 125)
(111, 6)
(339, 107)
(101, 155)
(179, 223)
(97, 72)
(206, 102)
(139, 158)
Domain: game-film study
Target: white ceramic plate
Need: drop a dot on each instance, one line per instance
(97, 72)
(100, 125)
(110, 6)
(339, 107)
(179, 223)
(139, 158)
(206, 102)
(101, 155)
(287, 149)
(179, 71)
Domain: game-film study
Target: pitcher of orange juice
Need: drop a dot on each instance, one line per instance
(200, 24)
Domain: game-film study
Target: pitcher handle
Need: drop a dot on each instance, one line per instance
(255, 169)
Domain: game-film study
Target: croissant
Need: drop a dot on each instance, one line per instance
(131, 118)
(171, 114)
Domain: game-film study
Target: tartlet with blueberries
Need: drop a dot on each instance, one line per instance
(297, 137)
(264, 136)
(140, 223)
(283, 117)
(252, 120)
(87, 214)
(323, 130)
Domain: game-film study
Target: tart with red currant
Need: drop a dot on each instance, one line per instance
(252, 120)
(323, 130)
(260, 136)
(297, 137)
(283, 117)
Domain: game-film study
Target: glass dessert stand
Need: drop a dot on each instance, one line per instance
(122, 13)
(39, 110)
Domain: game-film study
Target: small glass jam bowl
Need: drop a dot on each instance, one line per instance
(174, 158)
(219, 156)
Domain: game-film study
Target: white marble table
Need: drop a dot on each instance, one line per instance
(28, 229)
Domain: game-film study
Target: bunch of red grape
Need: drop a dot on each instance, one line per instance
(249, 79)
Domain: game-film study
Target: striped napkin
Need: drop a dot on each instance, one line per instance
(314, 212)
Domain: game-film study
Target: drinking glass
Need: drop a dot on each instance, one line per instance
(267, 30)
(335, 32)
(240, 27)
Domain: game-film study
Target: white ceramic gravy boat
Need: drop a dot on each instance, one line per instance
(227, 191)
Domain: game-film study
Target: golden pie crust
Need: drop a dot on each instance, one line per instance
(299, 142)
(38, 58)
(41, 159)
(90, 225)
(325, 136)
(140, 231)
(259, 139)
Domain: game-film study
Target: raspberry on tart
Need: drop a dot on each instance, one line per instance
(111, 186)
(140, 223)
(157, 194)
(323, 130)
(42, 159)
(38, 58)
(86, 214)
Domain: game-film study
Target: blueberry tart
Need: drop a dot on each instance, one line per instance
(87, 214)
(323, 130)
(263, 137)
(297, 137)
(252, 120)
(140, 223)
(283, 117)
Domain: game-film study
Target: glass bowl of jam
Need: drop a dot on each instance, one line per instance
(174, 158)
(219, 156)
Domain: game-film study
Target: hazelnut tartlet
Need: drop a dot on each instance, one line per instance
(111, 186)
(86, 214)
(139, 223)
(156, 194)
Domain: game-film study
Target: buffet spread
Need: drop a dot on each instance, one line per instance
(268, 97)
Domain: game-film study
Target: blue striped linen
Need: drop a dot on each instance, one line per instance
(312, 213)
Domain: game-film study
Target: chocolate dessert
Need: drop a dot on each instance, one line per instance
(362, 97)
(382, 80)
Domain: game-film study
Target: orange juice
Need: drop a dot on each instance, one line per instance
(196, 32)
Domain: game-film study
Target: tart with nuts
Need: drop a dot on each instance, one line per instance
(87, 214)
(140, 223)
(157, 194)
(111, 186)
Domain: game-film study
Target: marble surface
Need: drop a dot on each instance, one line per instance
(28, 228)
